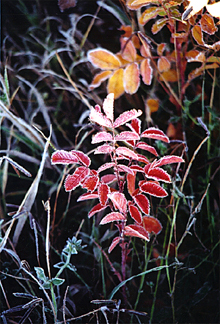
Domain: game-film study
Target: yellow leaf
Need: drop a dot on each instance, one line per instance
(99, 78)
(158, 25)
(103, 59)
(128, 50)
(136, 4)
(115, 83)
(131, 78)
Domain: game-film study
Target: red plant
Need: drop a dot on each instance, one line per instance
(127, 166)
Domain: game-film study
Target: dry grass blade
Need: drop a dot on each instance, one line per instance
(30, 196)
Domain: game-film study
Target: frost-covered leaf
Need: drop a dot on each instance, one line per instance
(83, 158)
(146, 71)
(131, 183)
(126, 117)
(126, 152)
(136, 231)
(129, 52)
(108, 178)
(136, 4)
(63, 157)
(163, 64)
(115, 83)
(125, 168)
(103, 59)
(143, 159)
(119, 201)
(104, 149)
(135, 213)
(127, 136)
(108, 106)
(208, 24)
(74, 180)
(159, 175)
(135, 125)
(152, 224)
(99, 78)
(158, 25)
(97, 208)
(101, 137)
(153, 189)
(114, 243)
(149, 14)
(168, 160)
(143, 203)
(90, 183)
(103, 191)
(131, 78)
(97, 117)
(146, 147)
(197, 34)
(155, 133)
(112, 217)
(87, 196)
(106, 166)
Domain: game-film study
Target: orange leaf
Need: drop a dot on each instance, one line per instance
(129, 52)
(195, 56)
(99, 78)
(163, 64)
(197, 34)
(148, 14)
(136, 4)
(131, 78)
(146, 71)
(158, 25)
(115, 83)
(152, 105)
(160, 48)
(103, 59)
(208, 25)
(169, 76)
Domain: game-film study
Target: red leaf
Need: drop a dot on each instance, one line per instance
(103, 191)
(127, 136)
(106, 166)
(149, 148)
(97, 208)
(108, 106)
(142, 158)
(73, 181)
(112, 217)
(124, 168)
(151, 224)
(104, 149)
(126, 117)
(90, 183)
(143, 203)
(168, 160)
(155, 133)
(127, 152)
(159, 175)
(88, 195)
(135, 167)
(135, 125)
(131, 183)
(153, 189)
(137, 231)
(83, 158)
(101, 137)
(63, 157)
(108, 178)
(97, 117)
(119, 201)
(135, 214)
(115, 241)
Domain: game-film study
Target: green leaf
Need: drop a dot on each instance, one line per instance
(57, 281)
(40, 274)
